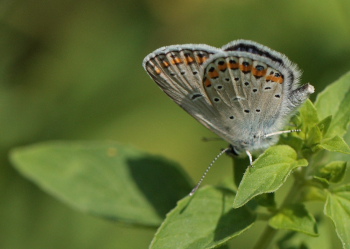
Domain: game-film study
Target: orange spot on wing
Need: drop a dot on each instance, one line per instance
(222, 67)
(259, 73)
(233, 65)
(176, 60)
(244, 68)
(213, 74)
(207, 82)
(200, 59)
(276, 79)
(166, 64)
(189, 59)
(158, 71)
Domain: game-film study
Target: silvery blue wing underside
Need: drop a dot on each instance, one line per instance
(242, 92)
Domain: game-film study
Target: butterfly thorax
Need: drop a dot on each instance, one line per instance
(252, 141)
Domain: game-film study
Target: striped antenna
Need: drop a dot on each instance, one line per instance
(281, 132)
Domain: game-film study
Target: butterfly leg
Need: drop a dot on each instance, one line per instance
(250, 157)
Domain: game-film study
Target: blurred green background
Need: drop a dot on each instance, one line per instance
(72, 70)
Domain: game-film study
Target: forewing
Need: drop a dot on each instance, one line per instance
(178, 70)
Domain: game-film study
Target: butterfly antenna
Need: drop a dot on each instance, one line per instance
(207, 170)
(281, 132)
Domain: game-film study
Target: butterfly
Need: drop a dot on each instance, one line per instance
(244, 92)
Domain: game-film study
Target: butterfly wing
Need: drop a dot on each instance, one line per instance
(246, 91)
(255, 89)
(178, 70)
(241, 92)
(287, 73)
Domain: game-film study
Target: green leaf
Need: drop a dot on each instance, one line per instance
(335, 100)
(332, 172)
(337, 208)
(239, 166)
(295, 217)
(322, 181)
(295, 240)
(295, 142)
(314, 136)
(268, 173)
(292, 240)
(105, 178)
(335, 144)
(308, 115)
(314, 193)
(324, 124)
(205, 220)
(266, 200)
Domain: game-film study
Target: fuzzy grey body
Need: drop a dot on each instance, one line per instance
(242, 92)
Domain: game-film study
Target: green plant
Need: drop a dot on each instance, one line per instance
(121, 183)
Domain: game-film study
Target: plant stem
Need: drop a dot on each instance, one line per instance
(266, 238)
(269, 232)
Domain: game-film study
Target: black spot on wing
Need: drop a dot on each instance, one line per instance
(195, 96)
